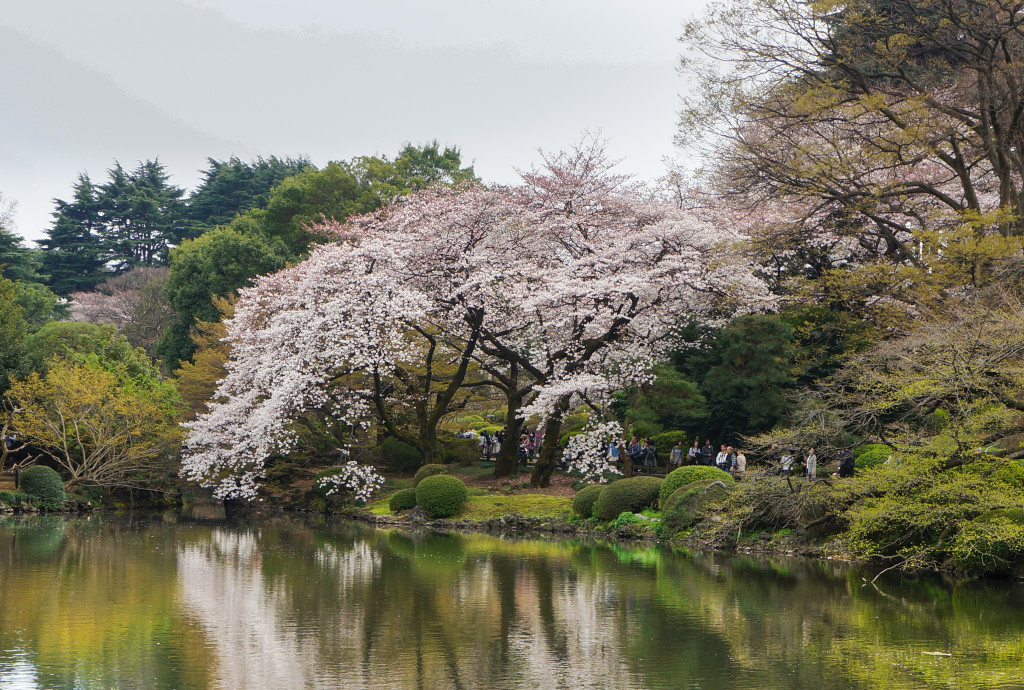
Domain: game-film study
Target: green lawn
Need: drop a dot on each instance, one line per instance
(498, 505)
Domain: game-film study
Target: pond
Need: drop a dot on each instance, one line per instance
(137, 602)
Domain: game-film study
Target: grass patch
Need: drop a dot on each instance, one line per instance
(527, 505)
(651, 513)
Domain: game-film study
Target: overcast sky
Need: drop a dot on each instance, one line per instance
(85, 83)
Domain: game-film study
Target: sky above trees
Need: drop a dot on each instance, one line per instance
(186, 79)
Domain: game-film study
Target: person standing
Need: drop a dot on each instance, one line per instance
(675, 458)
(693, 455)
(730, 460)
(741, 464)
(786, 463)
(485, 444)
(811, 463)
(706, 453)
(722, 458)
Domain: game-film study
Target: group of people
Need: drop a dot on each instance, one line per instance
(529, 441)
(642, 454)
(729, 459)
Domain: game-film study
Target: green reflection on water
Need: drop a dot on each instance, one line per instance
(139, 603)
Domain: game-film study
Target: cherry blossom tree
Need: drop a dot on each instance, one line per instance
(574, 280)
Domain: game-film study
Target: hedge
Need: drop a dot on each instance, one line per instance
(632, 494)
(441, 495)
(428, 470)
(687, 474)
(683, 508)
(583, 502)
(45, 484)
(403, 499)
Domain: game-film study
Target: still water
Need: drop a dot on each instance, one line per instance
(106, 602)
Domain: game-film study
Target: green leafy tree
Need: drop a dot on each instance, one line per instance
(216, 264)
(13, 350)
(38, 304)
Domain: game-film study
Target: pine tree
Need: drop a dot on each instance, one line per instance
(74, 255)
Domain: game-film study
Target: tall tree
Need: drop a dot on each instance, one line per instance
(74, 256)
(881, 134)
(233, 186)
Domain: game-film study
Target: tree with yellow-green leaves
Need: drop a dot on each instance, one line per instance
(872, 148)
(101, 429)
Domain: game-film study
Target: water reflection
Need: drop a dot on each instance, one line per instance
(288, 604)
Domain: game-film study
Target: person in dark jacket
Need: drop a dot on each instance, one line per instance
(847, 463)
(707, 453)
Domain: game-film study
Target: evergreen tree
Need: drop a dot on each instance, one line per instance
(233, 186)
(74, 257)
(13, 352)
(143, 215)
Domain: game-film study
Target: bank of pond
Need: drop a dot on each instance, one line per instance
(144, 601)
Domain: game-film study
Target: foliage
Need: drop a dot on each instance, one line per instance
(463, 451)
(861, 160)
(197, 380)
(38, 304)
(14, 354)
(684, 507)
(991, 543)
(400, 456)
(667, 440)
(625, 518)
(230, 187)
(428, 470)
(217, 264)
(670, 400)
(44, 483)
(403, 499)
(688, 474)
(584, 500)
(100, 425)
(441, 495)
(631, 494)
(527, 505)
(871, 454)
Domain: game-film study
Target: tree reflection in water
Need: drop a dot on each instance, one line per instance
(105, 603)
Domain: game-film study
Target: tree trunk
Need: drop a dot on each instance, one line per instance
(541, 476)
(507, 462)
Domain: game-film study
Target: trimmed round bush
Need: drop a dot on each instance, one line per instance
(688, 474)
(45, 484)
(402, 500)
(683, 508)
(667, 440)
(399, 456)
(632, 494)
(428, 470)
(441, 495)
(583, 502)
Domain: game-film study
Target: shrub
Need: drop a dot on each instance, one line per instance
(428, 470)
(464, 451)
(690, 473)
(626, 518)
(45, 484)
(667, 440)
(991, 543)
(8, 498)
(871, 454)
(583, 502)
(399, 456)
(684, 507)
(403, 500)
(632, 494)
(441, 495)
